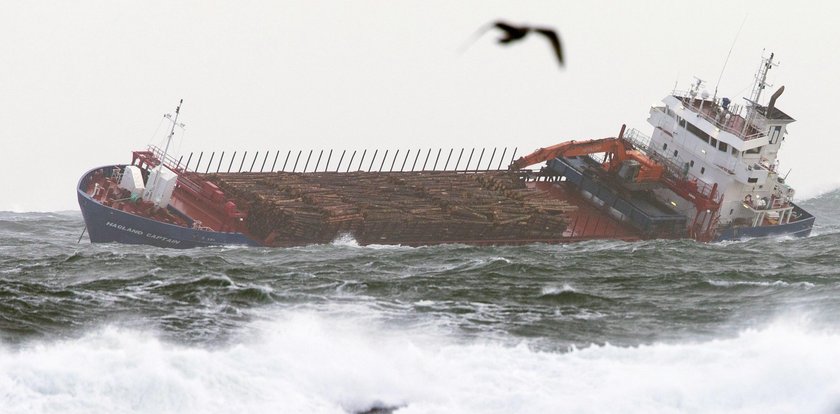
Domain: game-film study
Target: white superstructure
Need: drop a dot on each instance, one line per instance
(734, 146)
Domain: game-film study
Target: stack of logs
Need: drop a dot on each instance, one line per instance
(409, 208)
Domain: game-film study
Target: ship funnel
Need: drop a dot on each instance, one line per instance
(776, 95)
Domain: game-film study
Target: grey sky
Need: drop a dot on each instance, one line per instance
(84, 83)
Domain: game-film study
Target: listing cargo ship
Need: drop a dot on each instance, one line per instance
(709, 171)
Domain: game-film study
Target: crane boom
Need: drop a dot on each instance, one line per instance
(617, 151)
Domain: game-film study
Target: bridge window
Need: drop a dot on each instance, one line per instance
(722, 146)
(697, 132)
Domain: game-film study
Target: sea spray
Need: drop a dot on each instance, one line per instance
(300, 361)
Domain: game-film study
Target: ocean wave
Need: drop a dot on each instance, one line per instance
(301, 361)
(555, 290)
(777, 283)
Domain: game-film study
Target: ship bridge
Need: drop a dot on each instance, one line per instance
(732, 145)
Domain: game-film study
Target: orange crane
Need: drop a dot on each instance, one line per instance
(704, 197)
(617, 150)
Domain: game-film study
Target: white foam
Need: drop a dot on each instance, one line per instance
(345, 240)
(348, 240)
(777, 283)
(554, 290)
(304, 362)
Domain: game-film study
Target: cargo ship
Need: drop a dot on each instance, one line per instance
(708, 171)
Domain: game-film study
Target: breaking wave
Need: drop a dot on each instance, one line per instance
(303, 361)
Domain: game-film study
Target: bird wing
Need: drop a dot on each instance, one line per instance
(475, 36)
(555, 42)
(511, 32)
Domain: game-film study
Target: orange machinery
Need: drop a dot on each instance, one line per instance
(617, 150)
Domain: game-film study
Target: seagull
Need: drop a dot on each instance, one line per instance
(514, 33)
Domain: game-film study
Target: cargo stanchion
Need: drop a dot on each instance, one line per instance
(206, 170)
(447, 159)
(219, 165)
(241, 163)
(396, 154)
(305, 166)
(382, 164)
(478, 164)
(187, 167)
(231, 161)
(407, 153)
(296, 161)
(436, 159)
(490, 163)
(350, 164)
(467, 167)
(179, 162)
(460, 154)
(362, 160)
(337, 168)
(262, 167)
(288, 154)
(416, 157)
(254, 162)
(370, 167)
(502, 159)
(318, 163)
(327, 165)
(198, 164)
(276, 156)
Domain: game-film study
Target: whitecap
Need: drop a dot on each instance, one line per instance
(302, 361)
(777, 283)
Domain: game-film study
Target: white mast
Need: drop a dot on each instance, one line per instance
(161, 167)
(758, 87)
(172, 131)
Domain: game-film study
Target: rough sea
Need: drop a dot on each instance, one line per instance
(750, 326)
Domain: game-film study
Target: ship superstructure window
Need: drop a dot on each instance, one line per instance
(702, 170)
(664, 146)
(676, 152)
(775, 133)
(753, 150)
(696, 131)
(691, 163)
(722, 146)
(713, 142)
(734, 151)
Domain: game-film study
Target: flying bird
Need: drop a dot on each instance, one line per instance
(512, 33)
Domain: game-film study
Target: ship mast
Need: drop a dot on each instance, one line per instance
(758, 87)
(161, 164)
(761, 78)
(171, 131)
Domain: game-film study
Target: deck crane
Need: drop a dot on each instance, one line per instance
(619, 151)
(632, 165)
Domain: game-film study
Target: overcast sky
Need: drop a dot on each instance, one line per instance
(84, 83)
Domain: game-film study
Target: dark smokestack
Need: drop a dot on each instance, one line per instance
(773, 98)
